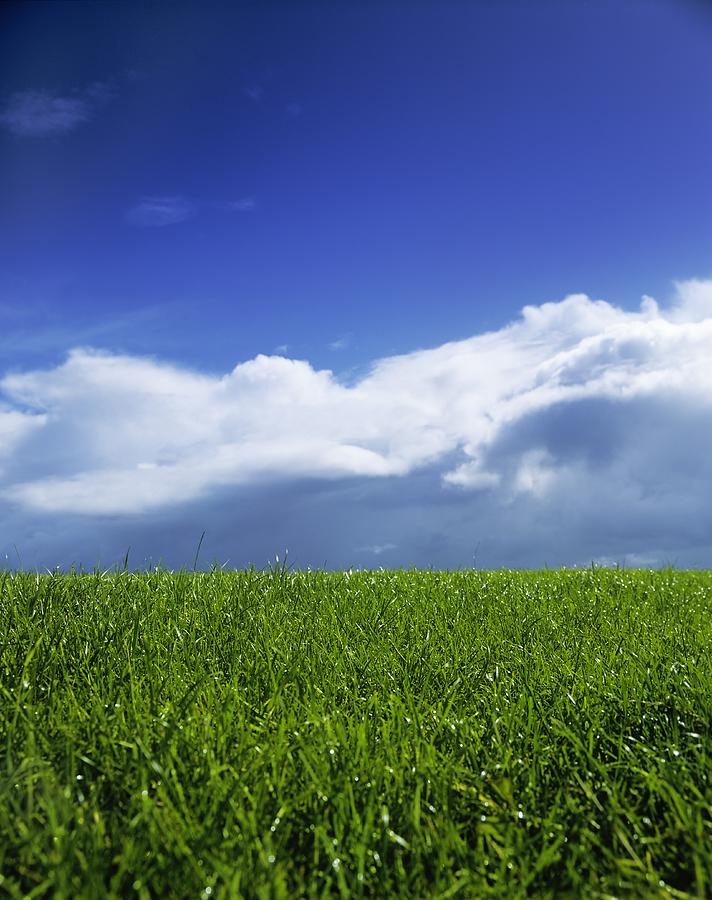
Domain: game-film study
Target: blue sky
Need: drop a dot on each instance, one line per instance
(361, 280)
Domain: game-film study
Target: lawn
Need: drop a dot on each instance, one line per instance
(391, 733)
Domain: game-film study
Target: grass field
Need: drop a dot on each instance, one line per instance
(409, 734)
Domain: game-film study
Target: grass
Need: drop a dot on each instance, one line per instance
(315, 734)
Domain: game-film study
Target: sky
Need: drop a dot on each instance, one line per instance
(373, 284)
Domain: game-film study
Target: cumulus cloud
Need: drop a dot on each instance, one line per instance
(577, 422)
(33, 113)
(156, 212)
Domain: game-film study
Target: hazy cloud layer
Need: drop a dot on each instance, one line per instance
(578, 431)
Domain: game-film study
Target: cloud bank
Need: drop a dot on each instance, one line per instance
(579, 430)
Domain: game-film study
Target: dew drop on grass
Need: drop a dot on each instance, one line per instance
(270, 859)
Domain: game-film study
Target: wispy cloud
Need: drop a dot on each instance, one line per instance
(157, 212)
(579, 426)
(341, 343)
(15, 311)
(38, 113)
(254, 92)
(245, 204)
(376, 549)
(39, 331)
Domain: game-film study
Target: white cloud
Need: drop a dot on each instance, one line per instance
(578, 409)
(39, 113)
(693, 301)
(156, 212)
(536, 472)
(15, 426)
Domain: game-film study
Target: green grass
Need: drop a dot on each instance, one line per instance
(419, 734)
